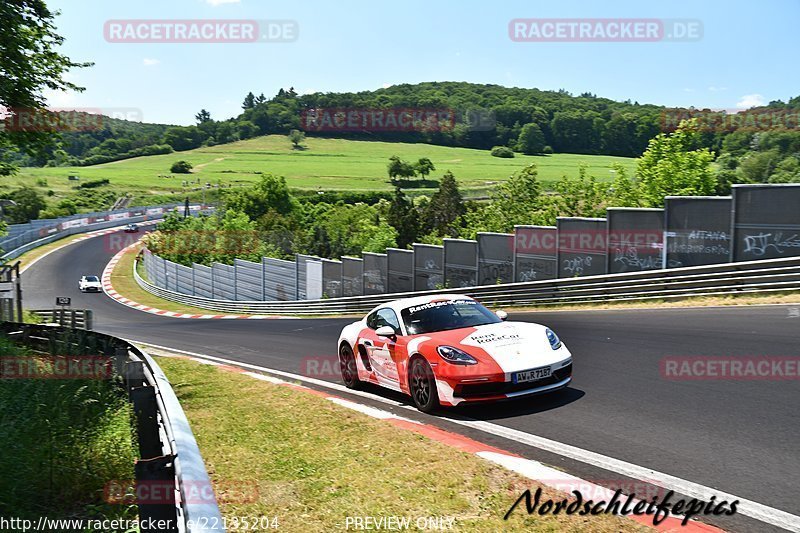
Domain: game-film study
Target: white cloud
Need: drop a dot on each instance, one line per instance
(60, 99)
(148, 62)
(751, 100)
(216, 3)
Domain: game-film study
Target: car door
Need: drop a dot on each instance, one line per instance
(380, 349)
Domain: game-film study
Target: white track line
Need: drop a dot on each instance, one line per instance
(368, 410)
(758, 511)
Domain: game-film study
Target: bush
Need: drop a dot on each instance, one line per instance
(502, 151)
(93, 184)
(181, 167)
(151, 149)
(547, 150)
(347, 197)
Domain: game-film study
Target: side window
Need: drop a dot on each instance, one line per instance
(371, 321)
(387, 317)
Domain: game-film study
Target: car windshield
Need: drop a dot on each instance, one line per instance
(445, 315)
(92, 278)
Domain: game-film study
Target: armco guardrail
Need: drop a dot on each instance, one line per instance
(722, 279)
(71, 318)
(24, 237)
(169, 455)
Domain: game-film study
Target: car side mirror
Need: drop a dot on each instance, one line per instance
(502, 315)
(385, 331)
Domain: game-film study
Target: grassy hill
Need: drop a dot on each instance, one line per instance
(326, 164)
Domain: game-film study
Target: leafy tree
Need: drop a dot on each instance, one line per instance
(181, 167)
(423, 167)
(249, 101)
(30, 63)
(547, 150)
(270, 193)
(398, 168)
(625, 190)
(516, 201)
(672, 166)
(297, 137)
(184, 138)
(68, 206)
(225, 132)
(444, 213)
(531, 139)
(207, 239)
(576, 131)
(246, 129)
(787, 171)
(757, 167)
(404, 218)
(343, 229)
(320, 242)
(581, 197)
(619, 134)
(29, 204)
(203, 116)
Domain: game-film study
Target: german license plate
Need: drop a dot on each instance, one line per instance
(531, 375)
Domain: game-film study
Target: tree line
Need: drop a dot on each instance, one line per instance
(530, 121)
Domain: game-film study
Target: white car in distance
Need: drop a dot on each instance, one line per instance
(90, 284)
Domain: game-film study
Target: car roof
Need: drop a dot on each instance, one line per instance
(403, 303)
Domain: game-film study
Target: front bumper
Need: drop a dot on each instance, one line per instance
(500, 387)
(92, 289)
(493, 389)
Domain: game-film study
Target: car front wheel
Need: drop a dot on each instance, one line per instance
(422, 385)
(347, 367)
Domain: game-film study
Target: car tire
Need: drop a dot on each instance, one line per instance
(422, 386)
(347, 367)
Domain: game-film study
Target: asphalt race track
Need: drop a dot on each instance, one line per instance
(741, 437)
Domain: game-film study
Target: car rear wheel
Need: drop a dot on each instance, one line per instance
(347, 367)
(422, 385)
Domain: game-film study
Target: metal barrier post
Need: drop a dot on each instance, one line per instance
(158, 475)
(146, 410)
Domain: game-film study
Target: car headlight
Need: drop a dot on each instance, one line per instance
(455, 356)
(555, 342)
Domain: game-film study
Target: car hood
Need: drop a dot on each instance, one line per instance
(512, 345)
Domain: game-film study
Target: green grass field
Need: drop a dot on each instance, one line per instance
(326, 164)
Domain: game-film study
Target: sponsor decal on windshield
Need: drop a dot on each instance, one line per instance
(440, 303)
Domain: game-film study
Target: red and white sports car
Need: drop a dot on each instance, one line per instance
(450, 349)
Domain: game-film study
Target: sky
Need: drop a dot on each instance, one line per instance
(745, 56)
